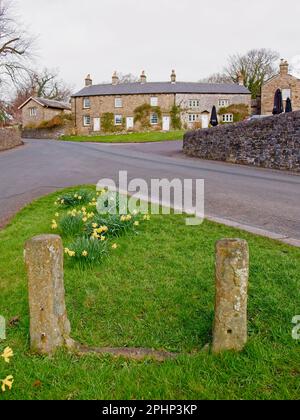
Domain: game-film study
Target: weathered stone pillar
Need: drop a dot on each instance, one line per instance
(49, 325)
(232, 274)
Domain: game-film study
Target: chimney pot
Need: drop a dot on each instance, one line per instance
(173, 77)
(284, 67)
(241, 80)
(115, 79)
(143, 78)
(88, 80)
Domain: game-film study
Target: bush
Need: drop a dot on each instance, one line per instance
(176, 117)
(142, 114)
(57, 121)
(239, 111)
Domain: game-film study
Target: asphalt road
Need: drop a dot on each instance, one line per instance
(259, 198)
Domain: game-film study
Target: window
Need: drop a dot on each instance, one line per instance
(286, 93)
(154, 101)
(228, 118)
(86, 103)
(224, 102)
(118, 120)
(118, 103)
(193, 117)
(194, 103)
(154, 119)
(33, 112)
(86, 120)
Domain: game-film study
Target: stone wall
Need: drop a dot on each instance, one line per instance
(9, 138)
(272, 142)
(47, 133)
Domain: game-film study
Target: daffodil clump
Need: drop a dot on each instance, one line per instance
(7, 383)
(88, 234)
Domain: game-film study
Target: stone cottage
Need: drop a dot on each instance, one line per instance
(36, 110)
(289, 86)
(120, 101)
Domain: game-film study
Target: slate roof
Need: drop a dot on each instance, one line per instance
(161, 87)
(48, 103)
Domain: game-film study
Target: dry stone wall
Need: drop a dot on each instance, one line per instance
(272, 142)
(9, 138)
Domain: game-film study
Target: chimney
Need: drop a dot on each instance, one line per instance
(143, 78)
(284, 67)
(173, 77)
(88, 80)
(241, 79)
(115, 79)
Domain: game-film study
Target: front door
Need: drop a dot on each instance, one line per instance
(205, 120)
(97, 124)
(129, 123)
(166, 123)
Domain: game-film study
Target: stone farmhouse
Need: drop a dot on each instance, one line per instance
(120, 101)
(36, 110)
(289, 86)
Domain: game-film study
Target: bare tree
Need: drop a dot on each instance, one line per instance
(15, 46)
(45, 84)
(217, 78)
(127, 78)
(256, 66)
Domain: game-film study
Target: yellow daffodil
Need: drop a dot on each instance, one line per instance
(147, 217)
(7, 382)
(95, 225)
(83, 209)
(85, 254)
(56, 214)
(76, 196)
(62, 201)
(72, 253)
(67, 250)
(136, 223)
(7, 354)
(54, 226)
(103, 238)
(128, 218)
(84, 219)
(79, 197)
(95, 235)
(115, 246)
(123, 218)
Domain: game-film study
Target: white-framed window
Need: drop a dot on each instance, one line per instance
(228, 118)
(86, 103)
(86, 120)
(224, 102)
(118, 103)
(33, 112)
(154, 101)
(118, 120)
(194, 103)
(193, 118)
(286, 93)
(154, 118)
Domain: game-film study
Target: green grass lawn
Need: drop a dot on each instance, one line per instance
(157, 291)
(129, 138)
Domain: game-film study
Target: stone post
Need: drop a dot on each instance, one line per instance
(232, 274)
(49, 325)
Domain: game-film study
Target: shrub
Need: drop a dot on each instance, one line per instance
(239, 111)
(142, 114)
(176, 117)
(107, 122)
(57, 121)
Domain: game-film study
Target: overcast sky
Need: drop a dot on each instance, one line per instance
(192, 36)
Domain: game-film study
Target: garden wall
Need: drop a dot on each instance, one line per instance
(9, 138)
(47, 133)
(272, 142)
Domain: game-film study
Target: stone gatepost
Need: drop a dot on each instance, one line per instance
(232, 275)
(49, 325)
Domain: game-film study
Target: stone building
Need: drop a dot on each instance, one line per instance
(289, 86)
(36, 110)
(121, 100)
